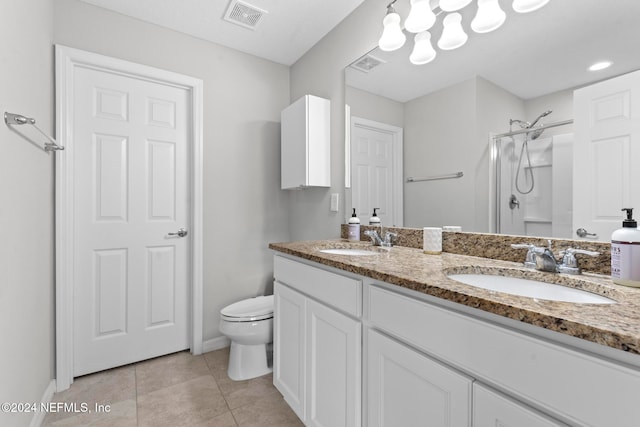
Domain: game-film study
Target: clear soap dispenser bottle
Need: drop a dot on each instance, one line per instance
(625, 252)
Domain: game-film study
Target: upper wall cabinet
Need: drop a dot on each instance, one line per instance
(305, 159)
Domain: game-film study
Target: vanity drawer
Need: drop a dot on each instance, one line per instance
(338, 291)
(559, 380)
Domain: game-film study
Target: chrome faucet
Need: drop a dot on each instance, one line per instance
(376, 240)
(543, 259)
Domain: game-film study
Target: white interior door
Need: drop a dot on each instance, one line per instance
(606, 154)
(376, 171)
(131, 190)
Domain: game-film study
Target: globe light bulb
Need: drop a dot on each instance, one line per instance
(392, 36)
(489, 16)
(453, 36)
(453, 5)
(526, 6)
(420, 18)
(423, 52)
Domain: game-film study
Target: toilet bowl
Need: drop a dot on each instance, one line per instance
(249, 326)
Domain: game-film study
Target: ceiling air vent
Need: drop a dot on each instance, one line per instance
(244, 14)
(366, 63)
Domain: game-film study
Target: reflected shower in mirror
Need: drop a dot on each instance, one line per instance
(449, 109)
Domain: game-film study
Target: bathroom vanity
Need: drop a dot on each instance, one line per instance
(388, 339)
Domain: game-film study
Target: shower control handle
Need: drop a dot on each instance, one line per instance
(581, 232)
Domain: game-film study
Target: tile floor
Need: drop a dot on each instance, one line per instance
(174, 390)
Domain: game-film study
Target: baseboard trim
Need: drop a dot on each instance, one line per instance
(215, 344)
(38, 416)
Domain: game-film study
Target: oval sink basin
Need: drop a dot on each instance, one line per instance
(348, 251)
(530, 288)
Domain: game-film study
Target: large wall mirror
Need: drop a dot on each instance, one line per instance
(445, 113)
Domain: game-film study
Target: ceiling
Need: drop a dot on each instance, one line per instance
(283, 34)
(530, 55)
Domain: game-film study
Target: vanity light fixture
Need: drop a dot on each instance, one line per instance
(392, 36)
(489, 17)
(600, 65)
(421, 17)
(453, 36)
(453, 5)
(423, 52)
(526, 6)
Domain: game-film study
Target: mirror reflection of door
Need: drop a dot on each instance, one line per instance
(375, 170)
(607, 124)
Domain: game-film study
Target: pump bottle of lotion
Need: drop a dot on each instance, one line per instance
(375, 219)
(625, 252)
(354, 227)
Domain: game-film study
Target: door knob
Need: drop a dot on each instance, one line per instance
(581, 232)
(181, 233)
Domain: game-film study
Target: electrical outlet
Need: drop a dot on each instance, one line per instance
(334, 202)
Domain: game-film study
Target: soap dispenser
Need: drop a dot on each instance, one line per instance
(625, 252)
(354, 227)
(375, 219)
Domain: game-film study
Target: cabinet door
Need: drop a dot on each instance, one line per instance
(333, 368)
(305, 143)
(407, 388)
(288, 346)
(491, 409)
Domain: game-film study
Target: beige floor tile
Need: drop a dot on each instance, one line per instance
(240, 393)
(194, 402)
(155, 374)
(224, 420)
(218, 361)
(121, 414)
(105, 388)
(175, 390)
(270, 410)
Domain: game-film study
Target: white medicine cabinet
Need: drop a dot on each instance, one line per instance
(305, 143)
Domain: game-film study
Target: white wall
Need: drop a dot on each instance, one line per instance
(26, 213)
(321, 72)
(374, 107)
(244, 208)
(439, 133)
(562, 105)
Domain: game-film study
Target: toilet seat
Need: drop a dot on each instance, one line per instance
(249, 310)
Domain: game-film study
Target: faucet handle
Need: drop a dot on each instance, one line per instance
(569, 255)
(388, 238)
(569, 263)
(530, 258)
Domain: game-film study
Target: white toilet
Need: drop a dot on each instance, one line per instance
(249, 326)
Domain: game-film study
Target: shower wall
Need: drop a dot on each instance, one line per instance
(546, 210)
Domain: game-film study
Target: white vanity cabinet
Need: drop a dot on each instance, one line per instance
(351, 351)
(407, 388)
(317, 343)
(491, 409)
(305, 143)
(568, 385)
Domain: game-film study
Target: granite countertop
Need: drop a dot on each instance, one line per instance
(614, 325)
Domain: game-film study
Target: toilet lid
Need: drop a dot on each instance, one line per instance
(250, 309)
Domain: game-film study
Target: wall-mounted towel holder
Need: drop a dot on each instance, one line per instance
(19, 119)
(433, 178)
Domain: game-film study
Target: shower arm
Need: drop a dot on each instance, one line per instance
(536, 129)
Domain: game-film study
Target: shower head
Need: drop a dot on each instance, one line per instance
(522, 123)
(533, 123)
